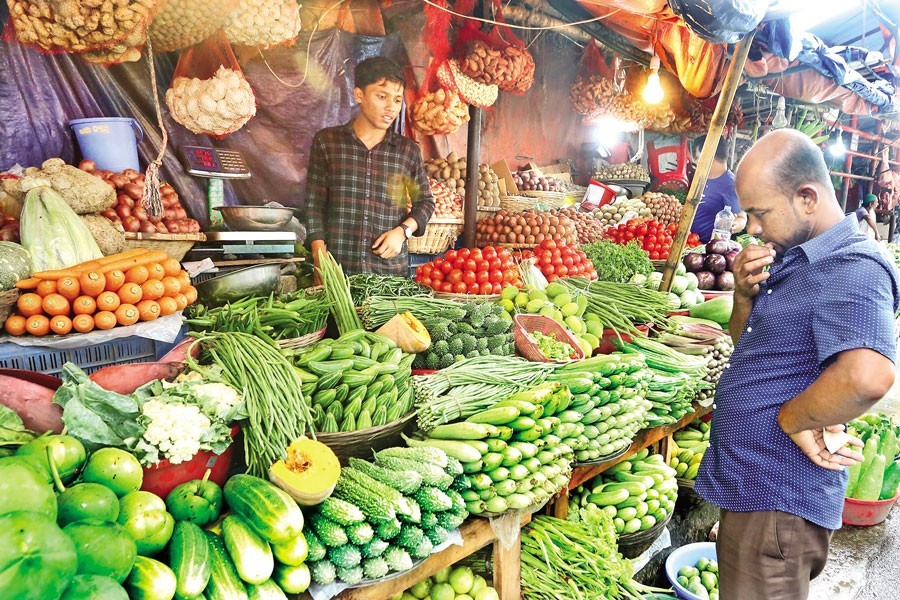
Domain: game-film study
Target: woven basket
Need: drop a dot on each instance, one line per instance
(362, 443)
(467, 297)
(528, 324)
(514, 204)
(440, 234)
(484, 212)
(548, 200)
(8, 302)
(632, 545)
(304, 341)
(175, 245)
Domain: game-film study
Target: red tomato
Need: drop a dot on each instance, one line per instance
(496, 276)
(483, 265)
(548, 243)
(463, 253)
(446, 267)
(488, 252)
(446, 287)
(568, 261)
(473, 288)
(562, 270)
(548, 270)
(437, 276)
(425, 270)
(425, 281)
(482, 277)
(486, 288)
(470, 265)
(496, 262)
(654, 255)
(552, 278)
(455, 276)
(629, 236)
(476, 254)
(468, 277)
(450, 255)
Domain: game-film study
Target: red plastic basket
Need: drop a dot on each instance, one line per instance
(865, 513)
(162, 477)
(528, 324)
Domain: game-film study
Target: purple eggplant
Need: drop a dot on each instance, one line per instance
(705, 280)
(714, 263)
(725, 281)
(729, 258)
(717, 247)
(693, 262)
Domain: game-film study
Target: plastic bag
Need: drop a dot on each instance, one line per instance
(720, 21)
(209, 93)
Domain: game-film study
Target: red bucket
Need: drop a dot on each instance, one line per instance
(162, 477)
(865, 513)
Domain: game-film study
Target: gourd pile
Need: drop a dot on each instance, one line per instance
(510, 68)
(452, 171)
(384, 515)
(588, 227)
(128, 210)
(357, 381)
(688, 448)
(216, 106)
(447, 203)
(440, 112)
(623, 171)
(622, 209)
(531, 181)
(526, 229)
(664, 208)
(472, 92)
(515, 454)
(642, 492)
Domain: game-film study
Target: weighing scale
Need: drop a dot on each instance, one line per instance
(231, 248)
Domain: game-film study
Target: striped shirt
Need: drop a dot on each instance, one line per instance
(354, 194)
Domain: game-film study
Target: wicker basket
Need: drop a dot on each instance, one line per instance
(467, 297)
(527, 324)
(440, 234)
(514, 204)
(632, 545)
(175, 245)
(362, 443)
(548, 200)
(8, 302)
(484, 212)
(304, 341)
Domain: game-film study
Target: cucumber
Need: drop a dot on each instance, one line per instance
(374, 389)
(321, 368)
(270, 511)
(609, 498)
(328, 381)
(342, 351)
(189, 559)
(306, 376)
(150, 580)
(522, 423)
(633, 488)
(459, 450)
(495, 444)
(251, 555)
(499, 415)
(529, 435)
(379, 349)
(460, 431)
(293, 580)
(324, 398)
(224, 582)
(318, 353)
(393, 357)
(361, 362)
(267, 590)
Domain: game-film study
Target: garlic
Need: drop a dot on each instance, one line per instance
(193, 102)
(263, 22)
(439, 113)
(183, 23)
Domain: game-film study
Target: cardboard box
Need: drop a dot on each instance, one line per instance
(506, 178)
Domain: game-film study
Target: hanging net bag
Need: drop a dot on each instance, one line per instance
(263, 23)
(184, 23)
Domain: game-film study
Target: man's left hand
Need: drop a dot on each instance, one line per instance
(390, 243)
(812, 443)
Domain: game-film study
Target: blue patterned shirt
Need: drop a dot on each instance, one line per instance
(833, 293)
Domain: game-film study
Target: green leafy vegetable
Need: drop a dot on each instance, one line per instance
(12, 431)
(618, 263)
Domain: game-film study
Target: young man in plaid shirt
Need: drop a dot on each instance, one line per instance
(361, 176)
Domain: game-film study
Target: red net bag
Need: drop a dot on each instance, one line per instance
(596, 95)
(498, 57)
(472, 92)
(437, 110)
(208, 93)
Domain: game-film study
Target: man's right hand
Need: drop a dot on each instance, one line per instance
(748, 269)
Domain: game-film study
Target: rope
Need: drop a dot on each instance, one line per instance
(525, 27)
(151, 200)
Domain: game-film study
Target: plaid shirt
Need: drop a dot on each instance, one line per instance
(354, 194)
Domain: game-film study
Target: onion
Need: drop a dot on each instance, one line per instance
(118, 180)
(110, 213)
(161, 228)
(729, 258)
(705, 280)
(131, 224)
(693, 262)
(131, 174)
(140, 213)
(714, 263)
(134, 190)
(725, 281)
(123, 211)
(717, 247)
(87, 165)
(147, 227)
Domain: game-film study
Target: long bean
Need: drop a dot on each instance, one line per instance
(364, 285)
(621, 306)
(277, 412)
(338, 291)
(378, 310)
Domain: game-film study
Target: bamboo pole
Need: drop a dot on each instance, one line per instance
(695, 193)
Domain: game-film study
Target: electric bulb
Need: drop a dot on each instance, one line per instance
(653, 92)
(837, 148)
(780, 119)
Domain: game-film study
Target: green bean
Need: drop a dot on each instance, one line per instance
(338, 291)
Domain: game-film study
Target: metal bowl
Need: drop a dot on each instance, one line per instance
(256, 218)
(259, 280)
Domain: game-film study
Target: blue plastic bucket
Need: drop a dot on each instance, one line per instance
(111, 142)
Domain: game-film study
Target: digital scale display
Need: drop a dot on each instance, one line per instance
(215, 163)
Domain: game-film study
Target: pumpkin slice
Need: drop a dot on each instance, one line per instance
(407, 332)
(308, 473)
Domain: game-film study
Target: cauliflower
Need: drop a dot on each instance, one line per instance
(174, 429)
(219, 400)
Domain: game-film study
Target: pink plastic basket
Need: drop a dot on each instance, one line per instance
(527, 324)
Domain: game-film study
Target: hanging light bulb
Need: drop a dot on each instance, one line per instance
(836, 148)
(653, 92)
(780, 120)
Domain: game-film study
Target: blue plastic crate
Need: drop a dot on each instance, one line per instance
(89, 358)
(417, 260)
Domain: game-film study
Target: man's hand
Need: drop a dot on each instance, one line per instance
(748, 269)
(812, 443)
(316, 248)
(389, 244)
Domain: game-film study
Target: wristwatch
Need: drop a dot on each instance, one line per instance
(406, 230)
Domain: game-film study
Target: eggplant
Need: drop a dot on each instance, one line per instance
(705, 280)
(693, 262)
(729, 259)
(714, 263)
(717, 247)
(725, 281)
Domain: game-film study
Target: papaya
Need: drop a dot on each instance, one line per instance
(309, 472)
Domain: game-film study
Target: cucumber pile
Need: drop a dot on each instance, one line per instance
(687, 451)
(385, 515)
(515, 454)
(637, 493)
(608, 393)
(357, 381)
(702, 579)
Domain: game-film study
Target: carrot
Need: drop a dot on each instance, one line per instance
(28, 284)
(77, 270)
(147, 258)
(57, 274)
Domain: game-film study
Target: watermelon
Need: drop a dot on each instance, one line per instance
(15, 265)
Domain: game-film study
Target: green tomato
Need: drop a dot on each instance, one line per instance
(103, 548)
(37, 560)
(67, 454)
(94, 587)
(117, 469)
(144, 516)
(198, 501)
(87, 501)
(23, 487)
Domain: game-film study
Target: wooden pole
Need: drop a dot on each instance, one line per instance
(473, 157)
(695, 193)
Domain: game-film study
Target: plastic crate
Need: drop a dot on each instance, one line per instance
(417, 260)
(89, 358)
